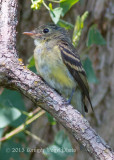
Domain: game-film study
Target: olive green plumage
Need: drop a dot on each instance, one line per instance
(58, 63)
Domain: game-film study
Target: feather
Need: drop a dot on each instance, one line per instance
(72, 60)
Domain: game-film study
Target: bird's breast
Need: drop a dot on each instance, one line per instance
(51, 68)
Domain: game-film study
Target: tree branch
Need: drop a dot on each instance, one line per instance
(14, 75)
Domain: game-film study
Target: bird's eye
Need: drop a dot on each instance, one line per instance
(46, 30)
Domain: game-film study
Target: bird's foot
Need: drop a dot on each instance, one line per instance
(67, 102)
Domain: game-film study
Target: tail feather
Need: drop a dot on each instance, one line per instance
(90, 103)
(85, 108)
(84, 102)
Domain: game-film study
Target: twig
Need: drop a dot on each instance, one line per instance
(36, 137)
(22, 126)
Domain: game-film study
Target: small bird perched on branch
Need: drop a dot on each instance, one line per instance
(58, 63)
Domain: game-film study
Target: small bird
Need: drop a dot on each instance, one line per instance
(58, 63)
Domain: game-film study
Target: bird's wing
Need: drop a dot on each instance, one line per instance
(73, 63)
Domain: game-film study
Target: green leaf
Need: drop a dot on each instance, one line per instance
(60, 149)
(87, 64)
(11, 103)
(33, 69)
(65, 24)
(66, 5)
(36, 4)
(55, 14)
(50, 6)
(79, 25)
(95, 37)
(31, 62)
(1, 133)
(7, 115)
(51, 119)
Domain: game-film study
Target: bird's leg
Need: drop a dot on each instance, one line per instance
(69, 100)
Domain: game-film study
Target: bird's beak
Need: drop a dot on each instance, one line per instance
(32, 33)
(29, 33)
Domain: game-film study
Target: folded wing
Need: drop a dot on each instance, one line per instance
(73, 63)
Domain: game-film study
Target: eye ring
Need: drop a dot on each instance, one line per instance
(45, 30)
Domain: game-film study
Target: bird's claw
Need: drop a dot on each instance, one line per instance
(67, 102)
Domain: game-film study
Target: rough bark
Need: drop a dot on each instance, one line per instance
(14, 75)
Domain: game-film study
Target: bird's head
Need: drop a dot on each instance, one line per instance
(48, 33)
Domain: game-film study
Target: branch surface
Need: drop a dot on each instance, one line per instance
(14, 75)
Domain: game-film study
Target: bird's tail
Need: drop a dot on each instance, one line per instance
(78, 103)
